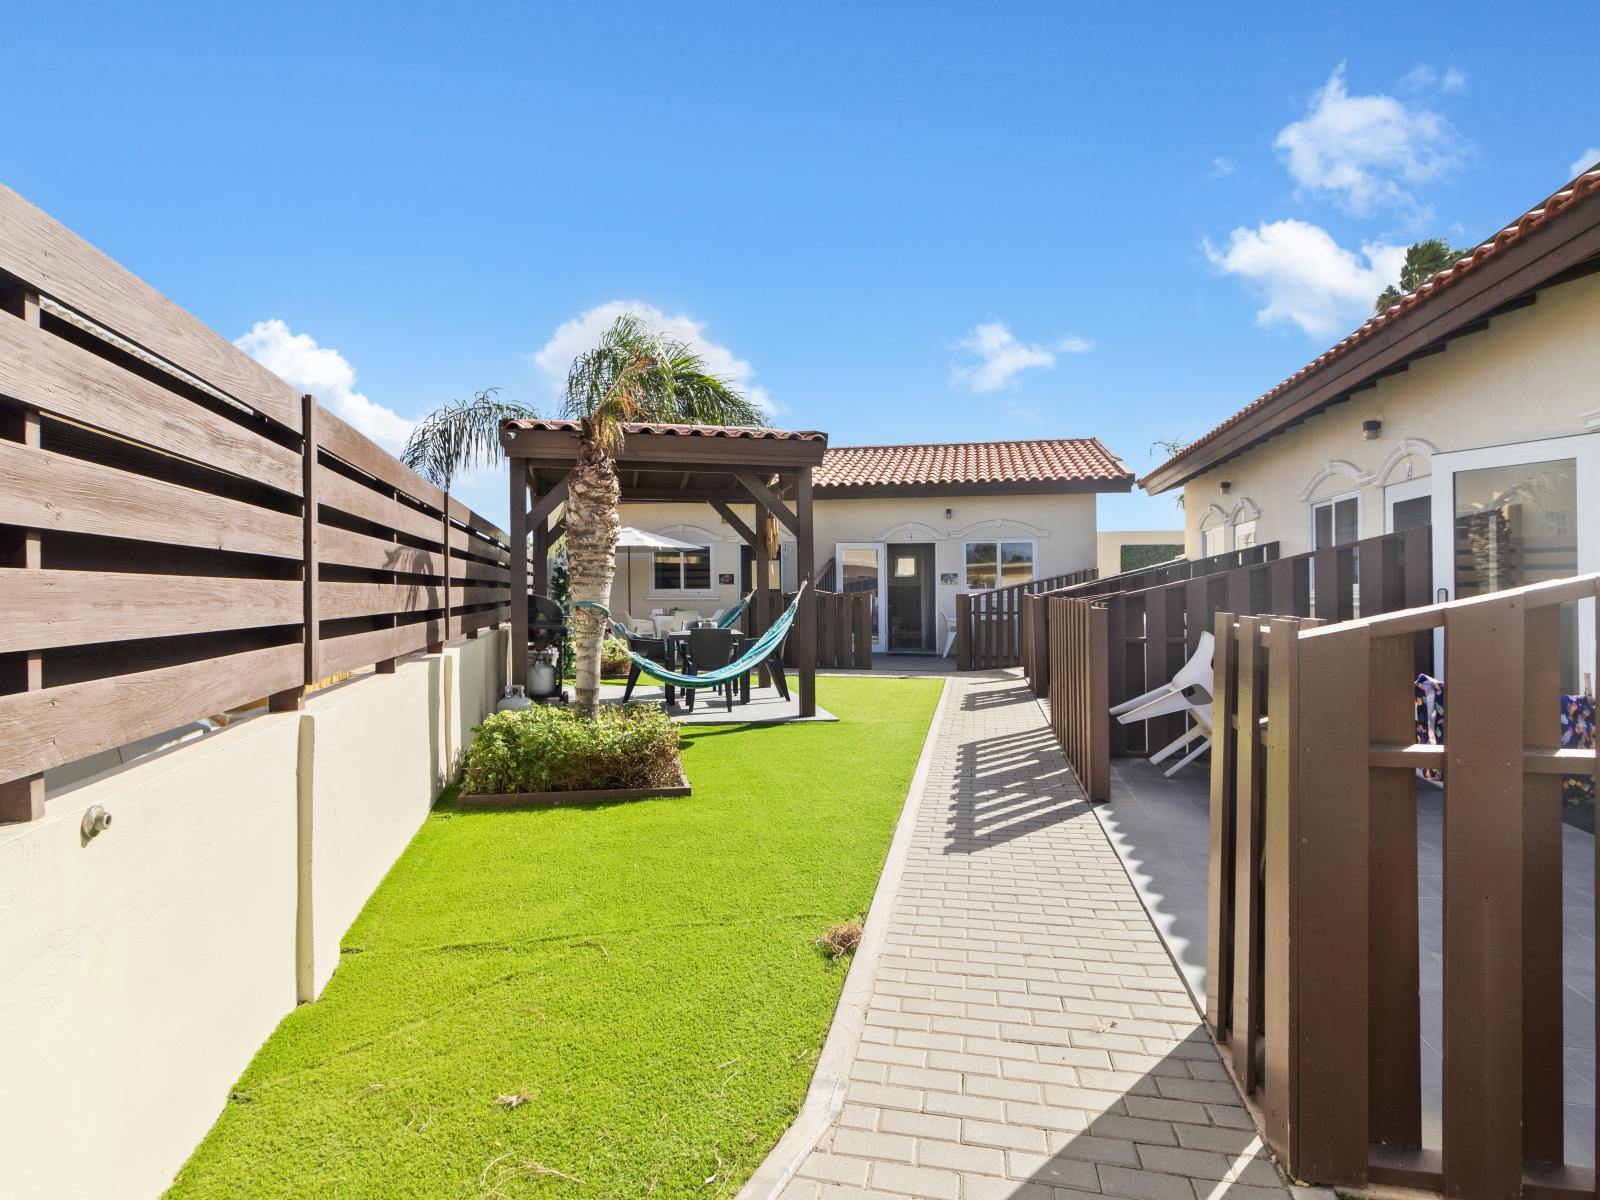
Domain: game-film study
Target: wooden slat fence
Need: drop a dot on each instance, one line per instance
(1078, 692)
(844, 629)
(1152, 632)
(1172, 572)
(1313, 964)
(174, 518)
(987, 623)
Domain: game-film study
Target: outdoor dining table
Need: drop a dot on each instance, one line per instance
(677, 650)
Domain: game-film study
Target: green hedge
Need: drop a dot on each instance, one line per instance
(548, 748)
(1134, 557)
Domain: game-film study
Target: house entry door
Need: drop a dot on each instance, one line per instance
(1507, 516)
(862, 568)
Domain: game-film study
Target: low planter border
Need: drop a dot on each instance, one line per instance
(575, 796)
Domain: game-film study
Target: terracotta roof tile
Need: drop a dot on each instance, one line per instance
(1581, 189)
(1044, 460)
(708, 431)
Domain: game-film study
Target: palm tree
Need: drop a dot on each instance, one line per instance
(633, 374)
(459, 434)
(1424, 260)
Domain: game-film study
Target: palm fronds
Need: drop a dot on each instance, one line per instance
(636, 374)
(459, 434)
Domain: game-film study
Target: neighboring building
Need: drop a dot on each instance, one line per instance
(912, 524)
(1472, 405)
(1129, 549)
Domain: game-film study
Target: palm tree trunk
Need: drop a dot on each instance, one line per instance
(592, 524)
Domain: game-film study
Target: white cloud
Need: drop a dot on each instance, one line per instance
(1367, 151)
(1584, 161)
(1423, 76)
(1002, 357)
(326, 374)
(1305, 277)
(581, 333)
(1221, 166)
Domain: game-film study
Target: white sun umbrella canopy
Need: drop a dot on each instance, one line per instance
(630, 539)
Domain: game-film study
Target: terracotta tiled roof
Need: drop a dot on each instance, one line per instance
(708, 431)
(1580, 191)
(1045, 460)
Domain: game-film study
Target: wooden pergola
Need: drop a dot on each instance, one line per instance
(721, 466)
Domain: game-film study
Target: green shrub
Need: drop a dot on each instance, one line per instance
(551, 749)
(614, 660)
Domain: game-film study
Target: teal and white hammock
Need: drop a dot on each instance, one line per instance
(757, 653)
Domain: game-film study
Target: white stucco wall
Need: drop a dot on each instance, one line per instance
(1534, 373)
(1110, 542)
(143, 968)
(1061, 526)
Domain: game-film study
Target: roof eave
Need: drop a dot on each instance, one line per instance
(1529, 262)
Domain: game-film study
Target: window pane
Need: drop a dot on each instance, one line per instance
(1515, 525)
(1324, 520)
(1346, 516)
(1211, 541)
(697, 569)
(1016, 563)
(980, 565)
(1413, 513)
(1244, 535)
(668, 570)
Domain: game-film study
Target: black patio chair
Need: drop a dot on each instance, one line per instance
(657, 651)
(710, 650)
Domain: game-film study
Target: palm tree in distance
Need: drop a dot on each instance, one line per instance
(1424, 260)
(632, 374)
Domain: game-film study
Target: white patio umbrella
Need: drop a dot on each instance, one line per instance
(630, 539)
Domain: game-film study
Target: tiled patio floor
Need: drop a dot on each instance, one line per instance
(1027, 1035)
(1159, 827)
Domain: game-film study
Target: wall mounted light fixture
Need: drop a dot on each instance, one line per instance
(1371, 429)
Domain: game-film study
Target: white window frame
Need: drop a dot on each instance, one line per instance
(1219, 523)
(1407, 489)
(1033, 566)
(1319, 502)
(1236, 525)
(654, 592)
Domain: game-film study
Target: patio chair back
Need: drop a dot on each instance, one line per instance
(710, 648)
(655, 649)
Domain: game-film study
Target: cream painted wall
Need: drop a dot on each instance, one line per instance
(1534, 373)
(1110, 543)
(1061, 526)
(143, 968)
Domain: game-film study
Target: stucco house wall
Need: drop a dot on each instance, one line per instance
(1061, 526)
(1534, 373)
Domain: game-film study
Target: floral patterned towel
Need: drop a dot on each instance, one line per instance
(1577, 732)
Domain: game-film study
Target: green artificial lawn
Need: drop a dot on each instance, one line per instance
(643, 973)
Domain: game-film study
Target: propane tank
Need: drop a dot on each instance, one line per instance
(542, 675)
(514, 698)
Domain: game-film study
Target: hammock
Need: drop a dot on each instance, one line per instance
(731, 617)
(753, 657)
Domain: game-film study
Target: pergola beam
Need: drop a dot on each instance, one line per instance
(767, 500)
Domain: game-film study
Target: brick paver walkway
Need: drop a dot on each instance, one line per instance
(1028, 1036)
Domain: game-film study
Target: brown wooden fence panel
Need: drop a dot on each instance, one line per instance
(1079, 710)
(1334, 1061)
(988, 623)
(181, 532)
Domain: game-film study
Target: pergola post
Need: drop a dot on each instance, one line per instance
(806, 617)
(519, 571)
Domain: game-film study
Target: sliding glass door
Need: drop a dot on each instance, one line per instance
(861, 569)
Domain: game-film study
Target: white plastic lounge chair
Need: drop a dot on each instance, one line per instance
(949, 620)
(1189, 693)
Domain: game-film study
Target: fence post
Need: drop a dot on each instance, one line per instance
(963, 631)
(1483, 900)
(861, 618)
(1219, 883)
(1329, 907)
(444, 528)
(291, 699)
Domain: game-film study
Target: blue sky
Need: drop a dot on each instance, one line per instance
(900, 223)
